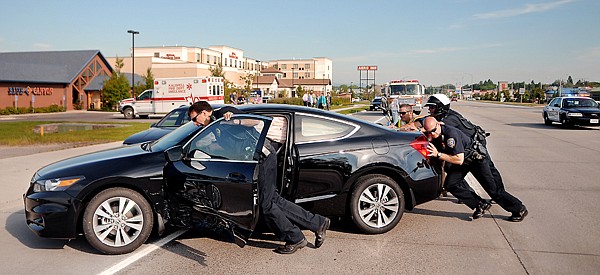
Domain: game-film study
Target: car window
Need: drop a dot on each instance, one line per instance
(314, 128)
(175, 118)
(554, 101)
(235, 139)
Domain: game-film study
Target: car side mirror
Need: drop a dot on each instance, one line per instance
(174, 153)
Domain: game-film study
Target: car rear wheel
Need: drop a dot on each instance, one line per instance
(128, 113)
(547, 121)
(376, 204)
(117, 221)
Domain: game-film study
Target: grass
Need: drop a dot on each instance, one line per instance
(354, 110)
(21, 133)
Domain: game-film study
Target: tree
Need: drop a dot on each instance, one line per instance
(148, 83)
(115, 88)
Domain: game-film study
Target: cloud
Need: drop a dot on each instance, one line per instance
(528, 8)
(42, 46)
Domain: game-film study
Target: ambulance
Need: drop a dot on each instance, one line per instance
(407, 92)
(170, 93)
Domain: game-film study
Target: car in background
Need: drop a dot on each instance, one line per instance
(375, 104)
(454, 99)
(573, 110)
(205, 178)
(165, 125)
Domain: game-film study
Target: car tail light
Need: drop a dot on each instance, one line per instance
(420, 144)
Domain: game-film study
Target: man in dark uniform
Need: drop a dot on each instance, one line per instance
(453, 144)
(439, 107)
(280, 214)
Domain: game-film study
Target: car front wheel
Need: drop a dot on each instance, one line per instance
(376, 204)
(547, 121)
(117, 221)
(128, 113)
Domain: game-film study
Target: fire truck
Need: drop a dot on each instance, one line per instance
(407, 92)
(170, 93)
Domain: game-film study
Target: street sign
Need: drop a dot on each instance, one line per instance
(521, 91)
(367, 68)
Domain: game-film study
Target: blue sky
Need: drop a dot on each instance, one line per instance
(437, 42)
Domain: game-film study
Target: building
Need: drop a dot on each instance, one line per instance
(71, 79)
(184, 61)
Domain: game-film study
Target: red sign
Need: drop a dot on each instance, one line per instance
(367, 68)
(233, 55)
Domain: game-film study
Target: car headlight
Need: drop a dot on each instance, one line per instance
(575, 114)
(58, 184)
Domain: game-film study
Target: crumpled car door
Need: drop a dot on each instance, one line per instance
(217, 175)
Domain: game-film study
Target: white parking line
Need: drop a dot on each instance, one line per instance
(141, 253)
(383, 117)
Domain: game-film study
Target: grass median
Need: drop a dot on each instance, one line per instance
(24, 133)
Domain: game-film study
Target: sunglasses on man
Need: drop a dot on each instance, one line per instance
(431, 131)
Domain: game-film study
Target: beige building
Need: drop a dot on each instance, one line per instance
(182, 61)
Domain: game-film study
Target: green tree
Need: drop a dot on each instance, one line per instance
(148, 83)
(115, 88)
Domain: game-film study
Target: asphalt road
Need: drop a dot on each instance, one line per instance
(554, 171)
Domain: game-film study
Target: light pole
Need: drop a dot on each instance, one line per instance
(133, 33)
(293, 90)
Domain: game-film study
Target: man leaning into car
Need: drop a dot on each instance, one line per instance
(280, 214)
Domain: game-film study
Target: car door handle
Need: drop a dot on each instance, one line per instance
(236, 177)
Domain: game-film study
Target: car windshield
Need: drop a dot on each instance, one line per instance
(579, 102)
(175, 118)
(404, 89)
(376, 99)
(173, 138)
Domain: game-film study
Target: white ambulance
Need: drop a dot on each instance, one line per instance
(170, 93)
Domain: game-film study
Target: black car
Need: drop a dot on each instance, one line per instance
(569, 111)
(375, 104)
(194, 177)
(165, 125)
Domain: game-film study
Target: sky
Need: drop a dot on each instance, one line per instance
(437, 42)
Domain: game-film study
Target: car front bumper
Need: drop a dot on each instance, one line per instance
(586, 121)
(52, 214)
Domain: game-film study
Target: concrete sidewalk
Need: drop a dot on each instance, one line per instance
(17, 171)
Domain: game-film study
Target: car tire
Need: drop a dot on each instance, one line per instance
(376, 204)
(564, 123)
(128, 113)
(121, 228)
(547, 121)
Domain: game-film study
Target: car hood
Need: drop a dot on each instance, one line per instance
(151, 134)
(117, 160)
(587, 110)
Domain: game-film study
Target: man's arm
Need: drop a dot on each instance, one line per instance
(457, 159)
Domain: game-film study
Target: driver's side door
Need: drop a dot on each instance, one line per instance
(217, 175)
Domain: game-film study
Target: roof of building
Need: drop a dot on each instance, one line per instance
(287, 83)
(45, 67)
(269, 79)
(270, 70)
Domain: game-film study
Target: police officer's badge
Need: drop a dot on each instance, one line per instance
(451, 142)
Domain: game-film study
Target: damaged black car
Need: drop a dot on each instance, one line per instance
(332, 164)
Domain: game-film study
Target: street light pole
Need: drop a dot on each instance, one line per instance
(133, 33)
(293, 90)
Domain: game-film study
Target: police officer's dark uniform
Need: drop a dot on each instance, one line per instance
(493, 183)
(453, 142)
(279, 214)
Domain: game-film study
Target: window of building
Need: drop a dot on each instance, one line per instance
(295, 66)
(156, 54)
(295, 75)
(207, 58)
(307, 66)
(284, 66)
(307, 75)
(225, 61)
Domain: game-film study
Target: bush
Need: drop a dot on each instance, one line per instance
(13, 111)
(287, 100)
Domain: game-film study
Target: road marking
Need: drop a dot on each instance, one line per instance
(383, 117)
(143, 252)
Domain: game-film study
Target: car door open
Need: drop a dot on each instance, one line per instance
(212, 180)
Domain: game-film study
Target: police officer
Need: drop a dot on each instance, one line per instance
(439, 107)
(280, 214)
(448, 144)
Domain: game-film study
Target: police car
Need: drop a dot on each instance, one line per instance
(572, 110)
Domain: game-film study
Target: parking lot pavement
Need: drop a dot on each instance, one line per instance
(17, 170)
